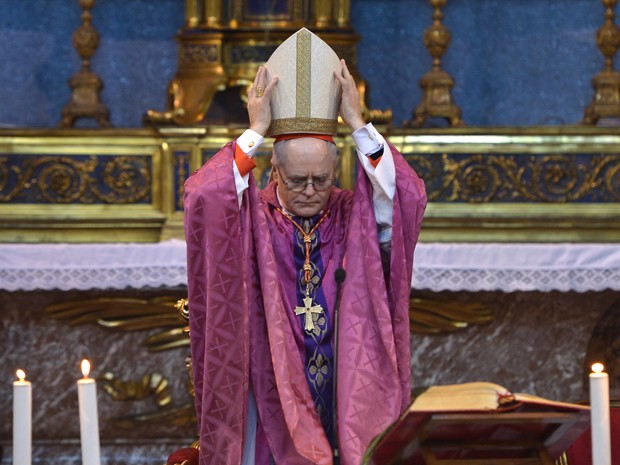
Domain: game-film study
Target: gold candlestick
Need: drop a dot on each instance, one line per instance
(437, 84)
(606, 101)
(85, 85)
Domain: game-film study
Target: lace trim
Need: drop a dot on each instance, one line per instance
(91, 278)
(438, 267)
(516, 280)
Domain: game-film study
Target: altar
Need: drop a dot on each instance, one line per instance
(553, 306)
(469, 267)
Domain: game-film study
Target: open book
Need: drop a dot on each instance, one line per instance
(477, 396)
(478, 421)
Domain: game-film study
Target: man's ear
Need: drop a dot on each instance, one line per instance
(273, 176)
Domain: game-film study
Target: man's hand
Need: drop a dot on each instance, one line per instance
(259, 107)
(350, 107)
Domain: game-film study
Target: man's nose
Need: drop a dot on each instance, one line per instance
(309, 189)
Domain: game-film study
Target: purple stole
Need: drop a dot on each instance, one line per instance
(243, 286)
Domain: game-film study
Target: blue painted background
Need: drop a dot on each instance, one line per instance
(515, 62)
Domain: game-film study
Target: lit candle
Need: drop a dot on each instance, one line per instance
(22, 420)
(89, 422)
(599, 402)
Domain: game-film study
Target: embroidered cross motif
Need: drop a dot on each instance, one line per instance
(308, 309)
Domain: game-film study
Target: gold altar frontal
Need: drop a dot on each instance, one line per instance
(536, 184)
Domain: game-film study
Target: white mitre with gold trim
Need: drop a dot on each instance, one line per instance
(307, 96)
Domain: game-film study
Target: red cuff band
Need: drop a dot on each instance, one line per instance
(373, 162)
(244, 163)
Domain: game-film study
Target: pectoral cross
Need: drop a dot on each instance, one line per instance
(308, 309)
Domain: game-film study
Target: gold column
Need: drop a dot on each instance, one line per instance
(437, 84)
(342, 11)
(213, 13)
(606, 101)
(192, 13)
(323, 13)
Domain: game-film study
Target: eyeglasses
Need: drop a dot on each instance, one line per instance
(320, 183)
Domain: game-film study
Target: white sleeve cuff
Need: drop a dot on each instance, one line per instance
(367, 139)
(249, 142)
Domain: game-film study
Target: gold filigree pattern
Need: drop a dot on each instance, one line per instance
(319, 369)
(61, 179)
(612, 181)
(485, 178)
(304, 74)
(192, 54)
(311, 125)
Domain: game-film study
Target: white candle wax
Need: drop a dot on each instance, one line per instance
(89, 421)
(22, 421)
(599, 402)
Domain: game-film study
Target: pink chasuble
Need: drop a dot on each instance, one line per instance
(242, 291)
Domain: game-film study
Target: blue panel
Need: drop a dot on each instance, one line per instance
(505, 178)
(75, 179)
(515, 62)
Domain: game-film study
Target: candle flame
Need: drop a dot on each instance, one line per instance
(85, 368)
(21, 374)
(598, 368)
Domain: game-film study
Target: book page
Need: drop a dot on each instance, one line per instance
(461, 397)
(532, 399)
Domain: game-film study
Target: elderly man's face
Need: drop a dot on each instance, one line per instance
(304, 163)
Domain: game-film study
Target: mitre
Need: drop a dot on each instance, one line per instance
(307, 96)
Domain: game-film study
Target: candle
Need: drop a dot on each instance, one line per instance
(22, 420)
(599, 402)
(89, 422)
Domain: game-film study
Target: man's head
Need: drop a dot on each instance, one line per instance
(300, 166)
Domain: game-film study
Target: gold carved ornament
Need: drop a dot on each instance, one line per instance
(128, 314)
(62, 179)
(485, 178)
(431, 316)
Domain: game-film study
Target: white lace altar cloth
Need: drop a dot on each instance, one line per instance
(438, 266)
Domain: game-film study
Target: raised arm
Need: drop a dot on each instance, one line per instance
(372, 151)
(259, 112)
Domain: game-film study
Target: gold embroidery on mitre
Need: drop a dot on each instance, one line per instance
(304, 74)
(310, 125)
(307, 90)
